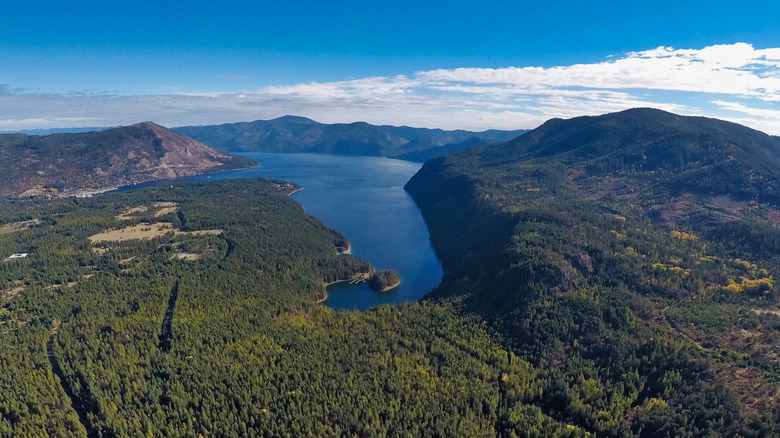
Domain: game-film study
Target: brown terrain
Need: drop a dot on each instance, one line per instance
(145, 231)
(69, 164)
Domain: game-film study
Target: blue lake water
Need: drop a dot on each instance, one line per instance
(362, 197)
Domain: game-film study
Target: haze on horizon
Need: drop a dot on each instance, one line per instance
(437, 65)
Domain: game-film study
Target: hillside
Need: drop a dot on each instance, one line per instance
(632, 254)
(424, 155)
(191, 310)
(78, 162)
(299, 134)
(671, 153)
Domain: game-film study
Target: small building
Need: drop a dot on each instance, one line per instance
(18, 255)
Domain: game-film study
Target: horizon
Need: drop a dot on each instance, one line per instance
(84, 129)
(436, 65)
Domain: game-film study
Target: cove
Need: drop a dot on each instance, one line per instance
(363, 198)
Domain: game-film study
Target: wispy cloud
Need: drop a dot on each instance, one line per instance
(737, 82)
(736, 69)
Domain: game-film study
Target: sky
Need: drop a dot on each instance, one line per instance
(440, 64)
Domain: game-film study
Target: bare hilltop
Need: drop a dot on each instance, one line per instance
(65, 164)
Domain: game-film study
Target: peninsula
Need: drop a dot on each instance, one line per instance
(384, 280)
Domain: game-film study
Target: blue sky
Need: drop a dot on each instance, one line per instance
(469, 64)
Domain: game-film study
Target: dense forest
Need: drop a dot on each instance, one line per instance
(615, 253)
(604, 276)
(191, 310)
(385, 279)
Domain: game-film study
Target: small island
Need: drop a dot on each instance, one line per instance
(384, 280)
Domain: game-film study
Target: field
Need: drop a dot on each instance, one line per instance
(144, 231)
(18, 226)
(161, 209)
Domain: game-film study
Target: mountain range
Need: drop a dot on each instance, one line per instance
(299, 134)
(77, 162)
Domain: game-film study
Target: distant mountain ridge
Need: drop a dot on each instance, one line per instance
(49, 131)
(437, 151)
(78, 162)
(299, 134)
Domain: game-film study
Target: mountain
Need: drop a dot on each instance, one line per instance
(50, 131)
(424, 155)
(77, 162)
(624, 250)
(299, 134)
(660, 160)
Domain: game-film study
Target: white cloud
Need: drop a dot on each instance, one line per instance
(736, 82)
(730, 69)
(762, 119)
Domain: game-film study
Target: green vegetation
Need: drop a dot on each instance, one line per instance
(385, 279)
(588, 291)
(144, 343)
(593, 249)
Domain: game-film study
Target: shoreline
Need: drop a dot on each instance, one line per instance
(322, 300)
(359, 275)
(389, 287)
(92, 192)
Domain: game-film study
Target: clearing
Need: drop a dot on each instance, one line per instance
(161, 209)
(19, 226)
(775, 312)
(127, 214)
(144, 231)
(10, 293)
(164, 208)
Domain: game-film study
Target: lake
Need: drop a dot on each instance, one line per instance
(363, 198)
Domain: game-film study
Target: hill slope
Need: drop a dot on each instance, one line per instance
(437, 151)
(212, 328)
(679, 154)
(299, 134)
(79, 162)
(639, 235)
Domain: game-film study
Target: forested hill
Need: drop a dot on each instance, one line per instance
(675, 153)
(634, 255)
(191, 310)
(71, 163)
(299, 134)
(437, 151)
